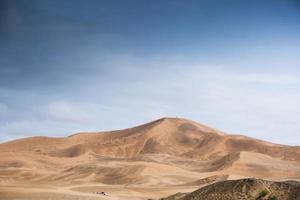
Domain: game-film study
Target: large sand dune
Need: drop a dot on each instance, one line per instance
(157, 159)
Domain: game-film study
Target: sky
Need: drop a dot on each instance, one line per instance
(73, 66)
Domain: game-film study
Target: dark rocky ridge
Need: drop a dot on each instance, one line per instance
(244, 189)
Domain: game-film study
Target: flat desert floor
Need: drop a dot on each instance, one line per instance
(87, 192)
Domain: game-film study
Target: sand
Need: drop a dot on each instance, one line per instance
(153, 160)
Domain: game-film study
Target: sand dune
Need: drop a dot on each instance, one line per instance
(148, 161)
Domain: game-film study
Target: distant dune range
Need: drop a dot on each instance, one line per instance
(157, 159)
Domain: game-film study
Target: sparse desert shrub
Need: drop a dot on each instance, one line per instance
(273, 198)
(262, 194)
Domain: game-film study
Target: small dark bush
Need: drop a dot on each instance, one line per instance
(262, 194)
(273, 198)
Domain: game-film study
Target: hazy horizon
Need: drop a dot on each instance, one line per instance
(73, 66)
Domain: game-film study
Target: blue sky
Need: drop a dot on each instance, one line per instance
(71, 66)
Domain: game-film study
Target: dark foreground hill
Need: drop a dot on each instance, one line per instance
(244, 189)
